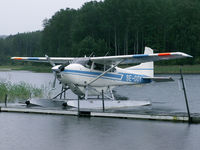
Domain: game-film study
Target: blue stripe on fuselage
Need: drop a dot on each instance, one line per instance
(94, 73)
(124, 77)
(134, 78)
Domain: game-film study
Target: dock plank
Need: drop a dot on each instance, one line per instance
(100, 114)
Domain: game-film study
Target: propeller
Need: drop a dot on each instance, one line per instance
(54, 81)
(54, 70)
(57, 69)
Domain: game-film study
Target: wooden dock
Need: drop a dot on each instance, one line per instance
(172, 118)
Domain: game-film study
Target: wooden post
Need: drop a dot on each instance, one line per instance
(185, 95)
(78, 107)
(6, 98)
(103, 101)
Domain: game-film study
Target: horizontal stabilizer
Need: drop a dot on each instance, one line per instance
(160, 79)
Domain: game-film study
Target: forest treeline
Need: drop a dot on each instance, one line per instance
(113, 27)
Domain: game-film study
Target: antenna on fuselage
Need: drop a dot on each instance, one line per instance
(106, 53)
(49, 60)
(91, 54)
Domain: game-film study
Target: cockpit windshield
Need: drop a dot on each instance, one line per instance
(102, 67)
(82, 61)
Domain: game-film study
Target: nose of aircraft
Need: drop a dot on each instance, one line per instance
(56, 68)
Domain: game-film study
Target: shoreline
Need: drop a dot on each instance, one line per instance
(173, 69)
(40, 69)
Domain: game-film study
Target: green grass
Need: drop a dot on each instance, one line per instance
(174, 69)
(27, 68)
(20, 91)
(34, 68)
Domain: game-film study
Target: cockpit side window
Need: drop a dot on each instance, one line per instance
(89, 64)
(101, 67)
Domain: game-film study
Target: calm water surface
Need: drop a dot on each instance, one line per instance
(50, 132)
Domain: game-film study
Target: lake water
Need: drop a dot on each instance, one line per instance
(50, 132)
(166, 97)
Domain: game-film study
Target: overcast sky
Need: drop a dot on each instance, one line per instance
(18, 16)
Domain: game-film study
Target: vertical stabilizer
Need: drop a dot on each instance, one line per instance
(144, 68)
(148, 50)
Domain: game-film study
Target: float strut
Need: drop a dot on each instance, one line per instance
(65, 95)
(60, 93)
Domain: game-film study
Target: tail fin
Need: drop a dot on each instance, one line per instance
(144, 68)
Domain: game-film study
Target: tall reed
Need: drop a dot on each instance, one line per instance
(18, 91)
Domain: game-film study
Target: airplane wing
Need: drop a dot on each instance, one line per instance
(57, 60)
(112, 60)
(138, 58)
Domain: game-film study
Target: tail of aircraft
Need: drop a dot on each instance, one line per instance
(144, 68)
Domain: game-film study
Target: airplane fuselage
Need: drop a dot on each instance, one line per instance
(88, 76)
(77, 77)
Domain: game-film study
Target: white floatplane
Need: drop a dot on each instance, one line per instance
(97, 76)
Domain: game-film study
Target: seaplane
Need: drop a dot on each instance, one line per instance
(93, 78)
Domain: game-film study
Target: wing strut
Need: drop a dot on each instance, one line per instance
(104, 73)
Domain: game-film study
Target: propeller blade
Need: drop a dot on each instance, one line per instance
(49, 60)
(54, 81)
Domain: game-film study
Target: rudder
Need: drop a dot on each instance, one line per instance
(147, 68)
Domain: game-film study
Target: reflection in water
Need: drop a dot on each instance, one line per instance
(27, 131)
